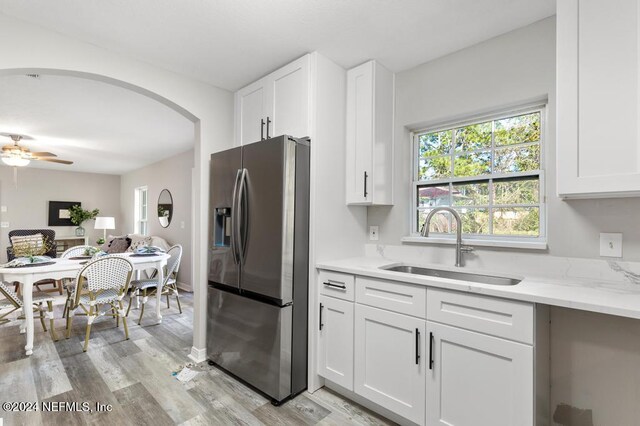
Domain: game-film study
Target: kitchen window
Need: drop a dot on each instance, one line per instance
(489, 170)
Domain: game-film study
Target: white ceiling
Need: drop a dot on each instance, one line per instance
(227, 43)
(102, 128)
(230, 43)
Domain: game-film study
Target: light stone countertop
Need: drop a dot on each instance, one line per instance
(595, 295)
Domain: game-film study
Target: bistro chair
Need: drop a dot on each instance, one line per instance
(40, 242)
(14, 302)
(149, 286)
(70, 284)
(103, 281)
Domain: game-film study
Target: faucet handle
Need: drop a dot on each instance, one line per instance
(466, 249)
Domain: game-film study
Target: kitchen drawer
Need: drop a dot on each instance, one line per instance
(497, 317)
(394, 296)
(336, 284)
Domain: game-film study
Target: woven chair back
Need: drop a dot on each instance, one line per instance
(106, 273)
(10, 295)
(76, 251)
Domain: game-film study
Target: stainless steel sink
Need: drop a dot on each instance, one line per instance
(454, 275)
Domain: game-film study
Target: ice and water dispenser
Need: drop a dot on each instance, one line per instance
(222, 232)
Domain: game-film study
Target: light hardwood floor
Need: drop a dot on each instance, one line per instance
(135, 377)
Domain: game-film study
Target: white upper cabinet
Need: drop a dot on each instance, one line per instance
(275, 105)
(598, 143)
(370, 107)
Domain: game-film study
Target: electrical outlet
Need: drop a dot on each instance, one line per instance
(610, 244)
(182, 224)
(373, 233)
(4, 224)
(3, 209)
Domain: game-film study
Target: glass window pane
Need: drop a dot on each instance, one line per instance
(434, 195)
(516, 191)
(440, 222)
(474, 221)
(519, 129)
(433, 144)
(474, 193)
(473, 137)
(516, 221)
(472, 164)
(511, 160)
(435, 168)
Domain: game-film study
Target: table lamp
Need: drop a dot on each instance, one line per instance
(104, 223)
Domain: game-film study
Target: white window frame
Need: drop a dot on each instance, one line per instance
(141, 211)
(512, 241)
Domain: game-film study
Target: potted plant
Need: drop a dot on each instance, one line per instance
(78, 216)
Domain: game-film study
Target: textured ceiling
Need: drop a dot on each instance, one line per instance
(230, 43)
(101, 127)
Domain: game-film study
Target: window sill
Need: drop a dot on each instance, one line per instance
(527, 245)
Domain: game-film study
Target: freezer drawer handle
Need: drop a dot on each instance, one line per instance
(330, 284)
(262, 129)
(431, 341)
(268, 122)
(321, 308)
(365, 184)
(417, 346)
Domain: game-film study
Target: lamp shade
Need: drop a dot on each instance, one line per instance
(15, 161)
(104, 222)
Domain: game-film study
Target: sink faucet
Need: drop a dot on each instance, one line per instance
(459, 247)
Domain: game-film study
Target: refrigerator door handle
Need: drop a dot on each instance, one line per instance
(234, 221)
(241, 217)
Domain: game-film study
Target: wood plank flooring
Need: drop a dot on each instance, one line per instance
(135, 378)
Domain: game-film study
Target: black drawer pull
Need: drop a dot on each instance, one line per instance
(417, 346)
(321, 307)
(330, 284)
(431, 341)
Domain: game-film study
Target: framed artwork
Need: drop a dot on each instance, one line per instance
(59, 212)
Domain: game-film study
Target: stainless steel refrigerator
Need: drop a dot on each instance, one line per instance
(259, 264)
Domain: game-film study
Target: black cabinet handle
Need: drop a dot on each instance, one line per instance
(330, 284)
(365, 184)
(321, 307)
(417, 346)
(262, 129)
(431, 340)
(268, 122)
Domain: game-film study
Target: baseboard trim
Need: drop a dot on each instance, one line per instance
(185, 287)
(198, 354)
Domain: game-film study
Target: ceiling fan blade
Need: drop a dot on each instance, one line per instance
(53, 160)
(43, 154)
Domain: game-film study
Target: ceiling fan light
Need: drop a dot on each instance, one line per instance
(15, 161)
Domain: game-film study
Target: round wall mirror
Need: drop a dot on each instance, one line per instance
(165, 208)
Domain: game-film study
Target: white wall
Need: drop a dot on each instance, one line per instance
(29, 48)
(512, 68)
(28, 204)
(173, 174)
(594, 358)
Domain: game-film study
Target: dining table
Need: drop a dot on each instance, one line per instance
(60, 268)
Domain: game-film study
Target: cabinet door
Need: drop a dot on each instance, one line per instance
(478, 380)
(250, 111)
(288, 102)
(598, 98)
(360, 133)
(335, 362)
(390, 361)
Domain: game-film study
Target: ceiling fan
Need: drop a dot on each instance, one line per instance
(16, 155)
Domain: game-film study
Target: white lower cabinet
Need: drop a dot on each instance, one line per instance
(478, 380)
(390, 361)
(335, 361)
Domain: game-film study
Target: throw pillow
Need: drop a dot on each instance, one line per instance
(28, 244)
(118, 245)
(138, 240)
